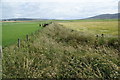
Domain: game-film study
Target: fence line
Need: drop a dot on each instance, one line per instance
(27, 36)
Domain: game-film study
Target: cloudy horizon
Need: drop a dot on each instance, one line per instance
(57, 9)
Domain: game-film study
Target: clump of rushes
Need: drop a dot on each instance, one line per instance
(58, 52)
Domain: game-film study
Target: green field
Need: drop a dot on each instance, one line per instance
(13, 30)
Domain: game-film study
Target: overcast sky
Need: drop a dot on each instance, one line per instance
(57, 9)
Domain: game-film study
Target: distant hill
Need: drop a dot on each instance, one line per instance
(102, 16)
(18, 19)
(105, 16)
(21, 19)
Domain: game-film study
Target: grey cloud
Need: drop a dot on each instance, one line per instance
(57, 10)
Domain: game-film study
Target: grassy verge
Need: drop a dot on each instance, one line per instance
(59, 52)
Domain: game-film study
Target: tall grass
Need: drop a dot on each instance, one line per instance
(58, 52)
(97, 27)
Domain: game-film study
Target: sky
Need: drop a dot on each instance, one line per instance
(56, 9)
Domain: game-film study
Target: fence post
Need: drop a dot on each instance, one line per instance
(96, 41)
(39, 24)
(27, 37)
(96, 36)
(102, 35)
(0, 51)
(18, 42)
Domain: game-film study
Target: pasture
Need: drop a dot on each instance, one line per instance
(109, 28)
(13, 30)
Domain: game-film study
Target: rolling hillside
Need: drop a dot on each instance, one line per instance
(105, 16)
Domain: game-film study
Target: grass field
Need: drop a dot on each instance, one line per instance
(13, 30)
(94, 27)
